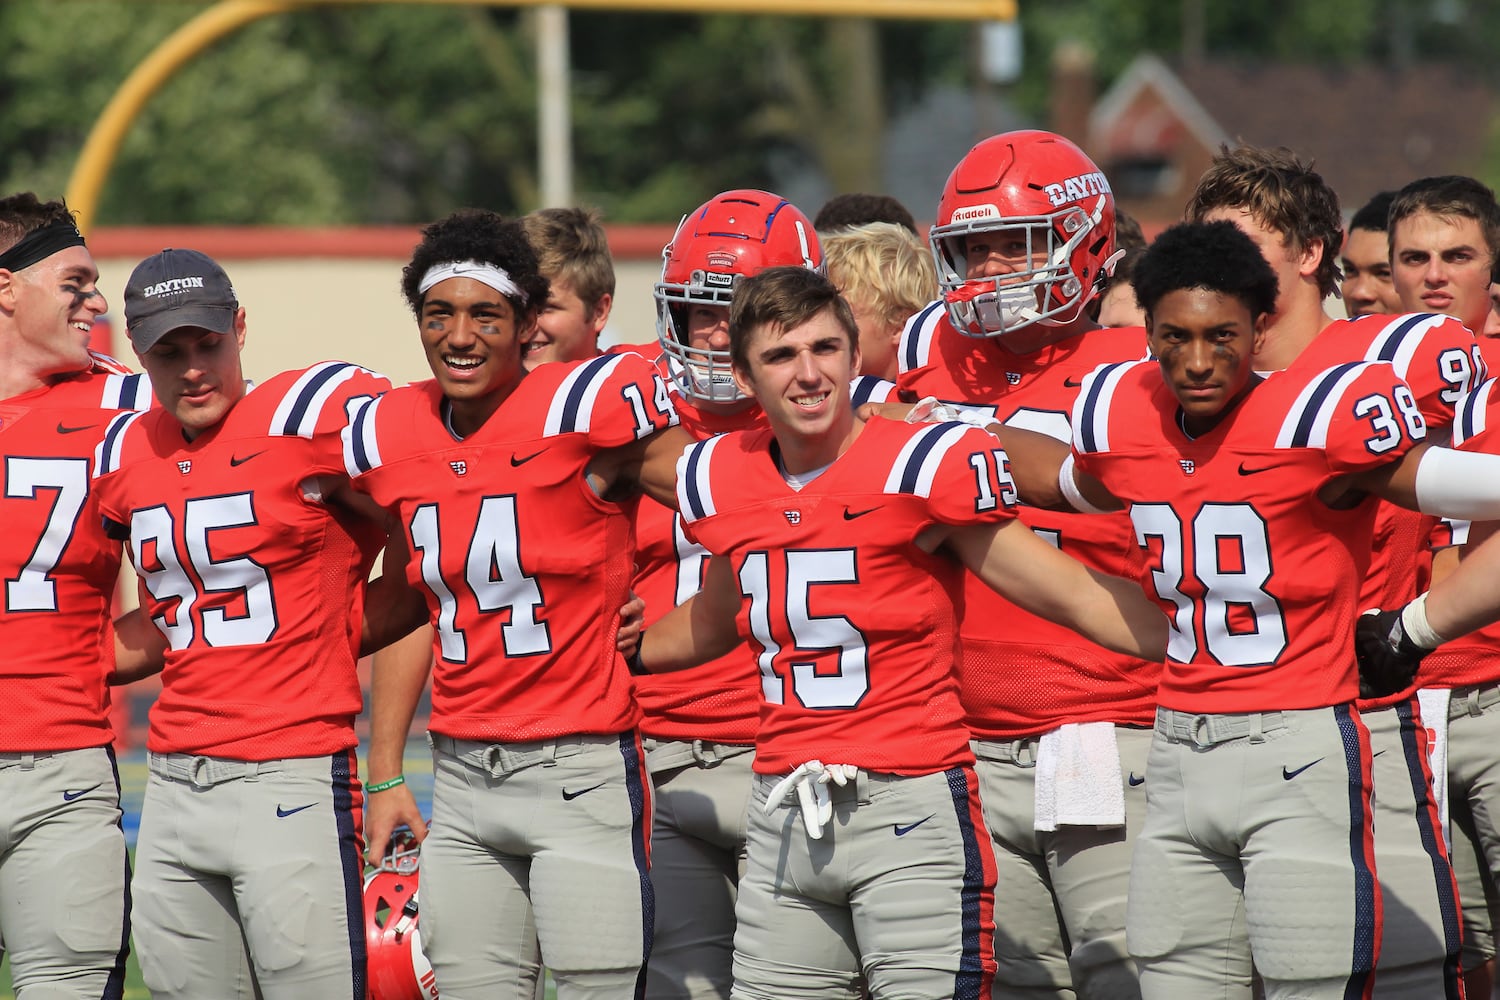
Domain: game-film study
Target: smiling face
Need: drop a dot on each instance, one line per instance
(196, 374)
(54, 304)
(801, 379)
(1204, 341)
(566, 329)
(474, 338)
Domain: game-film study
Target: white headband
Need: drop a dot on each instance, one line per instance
(488, 274)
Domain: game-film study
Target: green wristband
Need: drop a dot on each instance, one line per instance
(385, 786)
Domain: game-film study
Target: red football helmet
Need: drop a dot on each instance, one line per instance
(397, 968)
(731, 236)
(1035, 196)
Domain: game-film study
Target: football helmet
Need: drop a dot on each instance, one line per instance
(397, 969)
(1036, 197)
(731, 236)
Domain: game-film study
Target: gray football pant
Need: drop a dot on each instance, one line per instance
(1060, 895)
(1256, 841)
(264, 856)
(697, 859)
(538, 852)
(64, 911)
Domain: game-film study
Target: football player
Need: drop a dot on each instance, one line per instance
(1292, 215)
(699, 726)
(838, 550)
(573, 253)
(253, 566)
(511, 491)
(1025, 235)
(64, 910)
(1445, 238)
(1252, 495)
(1366, 261)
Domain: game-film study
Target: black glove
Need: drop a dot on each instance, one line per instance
(1387, 657)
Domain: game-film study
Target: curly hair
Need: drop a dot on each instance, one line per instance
(24, 213)
(1282, 192)
(477, 234)
(1214, 256)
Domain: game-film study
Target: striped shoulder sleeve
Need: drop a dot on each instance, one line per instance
(1308, 419)
(361, 443)
(1092, 407)
(695, 494)
(109, 453)
(914, 349)
(916, 465)
(1472, 416)
(302, 408)
(126, 392)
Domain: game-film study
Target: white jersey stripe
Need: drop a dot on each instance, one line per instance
(573, 403)
(361, 448)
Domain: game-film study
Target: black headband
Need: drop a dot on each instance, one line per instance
(39, 244)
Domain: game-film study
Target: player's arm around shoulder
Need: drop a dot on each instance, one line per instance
(1014, 562)
(647, 466)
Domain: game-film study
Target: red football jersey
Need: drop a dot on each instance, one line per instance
(720, 700)
(1023, 675)
(61, 568)
(523, 566)
(257, 586)
(1258, 577)
(1472, 659)
(852, 625)
(1440, 360)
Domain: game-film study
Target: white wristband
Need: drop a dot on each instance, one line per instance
(1071, 492)
(1459, 484)
(1418, 629)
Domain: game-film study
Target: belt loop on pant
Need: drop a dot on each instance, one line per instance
(252, 770)
(199, 775)
(1257, 730)
(28, 761)
(1200, 733)
(1471, 702)
(549, 753)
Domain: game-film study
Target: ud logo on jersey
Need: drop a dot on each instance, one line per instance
(185, 467)
(460, 468)
(793, 516)
(1188, 465)
(1014, 378)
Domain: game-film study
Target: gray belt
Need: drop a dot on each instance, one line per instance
(25, 761)
(1020, 752)
(1204, 731)
(500, 759)
(1473, 700)
(668, 755)
(205, 772)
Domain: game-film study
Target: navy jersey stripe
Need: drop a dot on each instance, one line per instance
(342, 776)
(970, 982)
(918, 456)
(696, 509)
(1309, 416)
(916, 330)
(1362, 960)
(306, 398)
(580, 389)
(1393, 339)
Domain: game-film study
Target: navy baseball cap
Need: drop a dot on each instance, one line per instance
(175, 289)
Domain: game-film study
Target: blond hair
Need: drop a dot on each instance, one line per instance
(571, 246)
(883, 264)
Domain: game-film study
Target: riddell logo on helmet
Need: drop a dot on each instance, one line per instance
(1076, 188)
(974, 212)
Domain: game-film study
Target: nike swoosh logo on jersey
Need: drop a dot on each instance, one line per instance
(1072, 383)
(1250, 472)
(570, 796)
(237, 460)
(64, 429)
(1289, 775)
(851, 515)
(1377, 753)
(516, 461)
(284, 813)
(69, 796)
(1135, 781)
(902, 831)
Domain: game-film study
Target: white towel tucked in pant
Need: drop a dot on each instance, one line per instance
(1078, 777)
